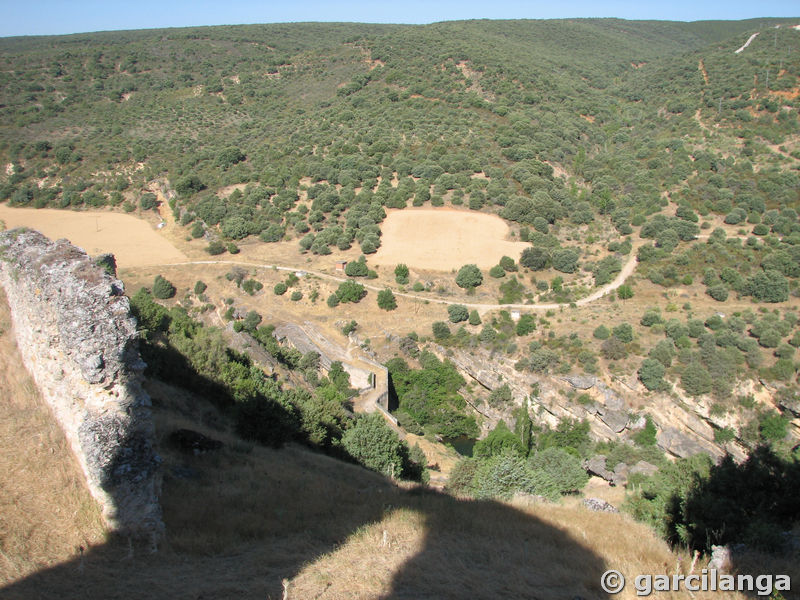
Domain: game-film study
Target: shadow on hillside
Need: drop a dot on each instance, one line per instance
(310, 505)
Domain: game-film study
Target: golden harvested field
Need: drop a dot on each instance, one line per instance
(133, 241)
(444, 238)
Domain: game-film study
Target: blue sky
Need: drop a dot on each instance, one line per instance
(36, 17)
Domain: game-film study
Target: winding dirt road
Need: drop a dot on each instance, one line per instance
(627, 271)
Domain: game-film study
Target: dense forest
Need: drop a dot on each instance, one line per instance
(480, 114)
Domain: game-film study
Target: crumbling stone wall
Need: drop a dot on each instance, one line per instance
(78, 339)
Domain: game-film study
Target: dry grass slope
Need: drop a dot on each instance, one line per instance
(46, 510)
(241, 521)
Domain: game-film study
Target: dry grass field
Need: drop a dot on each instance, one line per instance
(444, 239)
(46, 511)
(133, 241)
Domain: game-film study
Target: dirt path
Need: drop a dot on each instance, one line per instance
(747, 43)
(136, 244)
(626, 271)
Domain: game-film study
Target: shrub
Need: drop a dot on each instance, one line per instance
(651, 374)
(440, 330)
(535, 259)
(280, 289)
(497, 272)
(163, 289)
(601, 332)
(562, 469)
(475, 319)
(401, 274)
(718, 292)
(296, 296)
(350, 291)
(333, 301)
(647, 436)
(499, 441)
(525, 325)
(613, 349)
(651, 317)
(148, 201)
(508, 264)
(624, 332)
(215, 247)
(356, 269)
(457, 313)
(251, 286)
(625, 292)
(696, 380)
(199, 288)
(386, 300)
(565, 260)
(372, 443)
(469, 276)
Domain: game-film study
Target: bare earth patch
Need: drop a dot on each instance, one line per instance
(133, 241)
(444, 239)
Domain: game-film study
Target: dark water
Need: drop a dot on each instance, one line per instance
(463, 445)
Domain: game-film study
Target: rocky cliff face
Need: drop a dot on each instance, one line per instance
(78, 340)
(684, 426)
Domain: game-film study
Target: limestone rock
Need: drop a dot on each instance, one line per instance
(598, 505)
(581, 382)
(643, 467)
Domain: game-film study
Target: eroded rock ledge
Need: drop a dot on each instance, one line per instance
(78, 340)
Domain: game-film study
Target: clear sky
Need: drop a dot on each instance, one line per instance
(36, 17)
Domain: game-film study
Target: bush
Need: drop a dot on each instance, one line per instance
(251, 286)
(296, 296)
(535, 259)
(350, 291)
(215, 247)
(440, 330)
(647, 436)
(718, 292)
(475, 319)
(613, 349)
(601, 332)
(457, 313)
(163, 289)
(623, 332)
(525, 325)
(469, 276)
(401, 274)
(625, 292)
(497, 272)
(373, 444)
(499, 441)
(565, 260)
(148, 201)
(200, 287)
(562, 469)
(768, 286)
(696, 380)
(333, 301)
(651, 317)
(651, 374)
(386, 300)
(280, 289)
(508, 264)
(356, 269)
